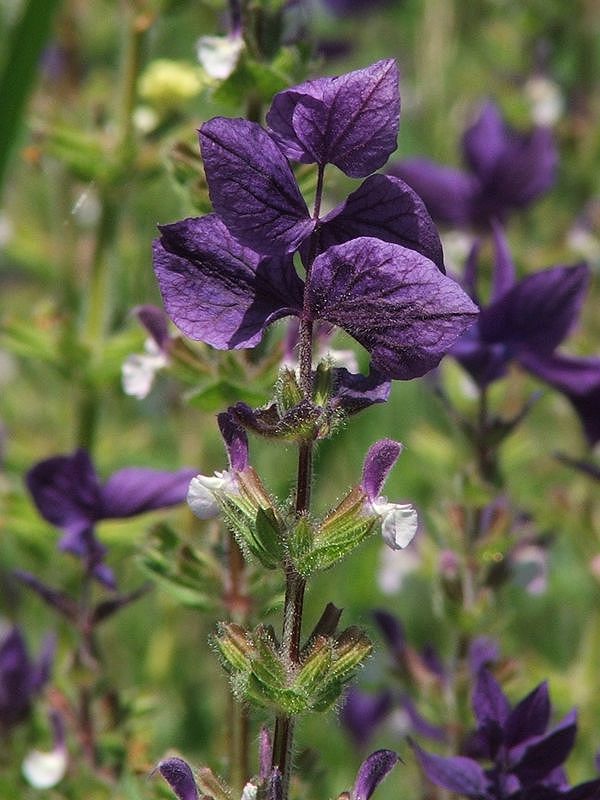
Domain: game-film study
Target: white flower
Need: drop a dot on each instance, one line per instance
(139, 369)
(201, 494)
(399, 522)
(249, 791)
(546, 99)
(219, 55)
(44, 770)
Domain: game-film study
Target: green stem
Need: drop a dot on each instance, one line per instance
(238, 605)
(98, 298)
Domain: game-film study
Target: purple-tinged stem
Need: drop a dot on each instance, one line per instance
(295, 583)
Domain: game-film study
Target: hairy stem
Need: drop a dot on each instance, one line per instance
(295, 584)
(237, 601)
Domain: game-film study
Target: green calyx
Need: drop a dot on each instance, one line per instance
(261, 674)
(315, 547)
(251, 516)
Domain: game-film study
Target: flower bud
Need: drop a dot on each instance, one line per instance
(235, 646)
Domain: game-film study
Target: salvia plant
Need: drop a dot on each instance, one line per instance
(285, 315)
(363, 267)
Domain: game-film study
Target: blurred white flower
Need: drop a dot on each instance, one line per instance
(43, 770)
(139, 369)
(396, 566)
(219, 55)
(546, 100)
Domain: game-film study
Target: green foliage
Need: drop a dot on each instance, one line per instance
(189, 573)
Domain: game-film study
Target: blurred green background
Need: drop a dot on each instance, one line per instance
(91, 160)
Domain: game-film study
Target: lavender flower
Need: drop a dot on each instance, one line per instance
(21, 680)
(526, 758)
(204, 490)
(227, 276)
(68, 494)
(372, 771)
(179, 776)
(508, 171)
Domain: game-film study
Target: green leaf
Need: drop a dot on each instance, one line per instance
(190, 575)
(221, 393)
(82, 154)
(21, 66)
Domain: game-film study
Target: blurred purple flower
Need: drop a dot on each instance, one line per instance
(578, 378)
(347, 8)
(483, 651)
(20, 678)
(523, 319)
(508, 170)
(362, 713)
(68, 493)
(526, 321)
(526, 759)
(226, 277)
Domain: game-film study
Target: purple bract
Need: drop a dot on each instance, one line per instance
(526, 759)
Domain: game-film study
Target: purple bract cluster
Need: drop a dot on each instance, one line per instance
(373, 266)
